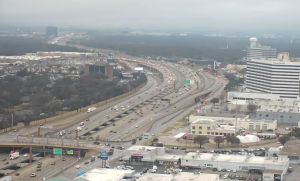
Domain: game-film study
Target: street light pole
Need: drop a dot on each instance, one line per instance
(12, 120)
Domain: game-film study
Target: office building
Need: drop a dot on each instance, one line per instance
(51, 31)
(273, 76)
(256, 51)
(104, 68)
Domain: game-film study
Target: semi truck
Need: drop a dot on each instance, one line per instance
(91, 109)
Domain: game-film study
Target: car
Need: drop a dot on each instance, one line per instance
(228, 170)
(215, 169)
(106, 166)
(234, 170)
(96, 143)
(53, 163)
(224, 170)
(39, 166)
(136, 126)
(219, 169)
(225, 176)
(4, 159)
(39, 163)
(26, 155)
(38, 169)
(63, 159)
(86, 162)
(77, 166)
(17, 174)
(33, 175)
(52, 156)
(6, 163)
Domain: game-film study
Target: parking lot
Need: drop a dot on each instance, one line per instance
(48, 168)
(293, 176)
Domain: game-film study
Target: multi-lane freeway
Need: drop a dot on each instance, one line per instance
(142, 111)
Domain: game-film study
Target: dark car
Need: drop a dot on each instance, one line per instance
(86, 162)
(6, 163)
(224, 170)
(38, 166)
(96, 143)
(215, 169)
(52, 156)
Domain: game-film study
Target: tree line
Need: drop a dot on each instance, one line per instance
(47, 98)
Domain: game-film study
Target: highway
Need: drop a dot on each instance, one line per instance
(100, 118)
(59, 125)
(47, 169)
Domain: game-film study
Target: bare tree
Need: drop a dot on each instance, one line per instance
(252, 107)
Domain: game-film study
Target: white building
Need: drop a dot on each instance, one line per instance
(102, 174)
(273, 76)
(181, 176)
(271, 167)
(143, 154)
(256, 51)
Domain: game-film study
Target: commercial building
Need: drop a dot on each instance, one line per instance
(51, 31)
(270, 167)
(211, 127)
(105, 68)
(143, 154)
(102, 174)
(257, 124)
(273, 76)
(202, 125)
(256, 51)
(181, 176)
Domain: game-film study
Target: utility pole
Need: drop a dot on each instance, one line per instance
(30, 154)
(12, 120)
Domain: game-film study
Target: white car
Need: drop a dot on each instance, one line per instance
(26, 155)
(136, 126)
(234, 170)
(228, 170)
(77, 166)
(33, 175)
(225, 176)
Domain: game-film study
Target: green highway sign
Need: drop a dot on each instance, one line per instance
(57, 151)
(187, 81)
(70, 152)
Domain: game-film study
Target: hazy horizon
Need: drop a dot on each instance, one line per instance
(231, 15)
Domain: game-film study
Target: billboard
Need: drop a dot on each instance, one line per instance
(103, 155)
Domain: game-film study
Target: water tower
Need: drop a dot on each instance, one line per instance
(253, 42)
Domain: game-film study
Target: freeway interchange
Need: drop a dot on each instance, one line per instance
(144, 111)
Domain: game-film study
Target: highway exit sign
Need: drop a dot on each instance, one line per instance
(70, 152)
(57, 151)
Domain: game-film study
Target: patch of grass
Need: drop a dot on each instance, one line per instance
(178, 124)
(168, 129)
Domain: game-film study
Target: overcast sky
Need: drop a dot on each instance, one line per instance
(236, 15)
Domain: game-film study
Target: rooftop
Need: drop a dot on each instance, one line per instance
(235, 158)
(154, 177)
(181, 176)
(186, 176)
(204, 121)
(141, 148)
(102, 174)
(291, 148)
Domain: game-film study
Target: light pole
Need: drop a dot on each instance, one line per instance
(32, 138)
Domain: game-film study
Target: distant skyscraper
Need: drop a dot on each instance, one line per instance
(256, 51)
(51, 31)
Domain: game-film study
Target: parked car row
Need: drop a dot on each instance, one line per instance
(241, 177)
